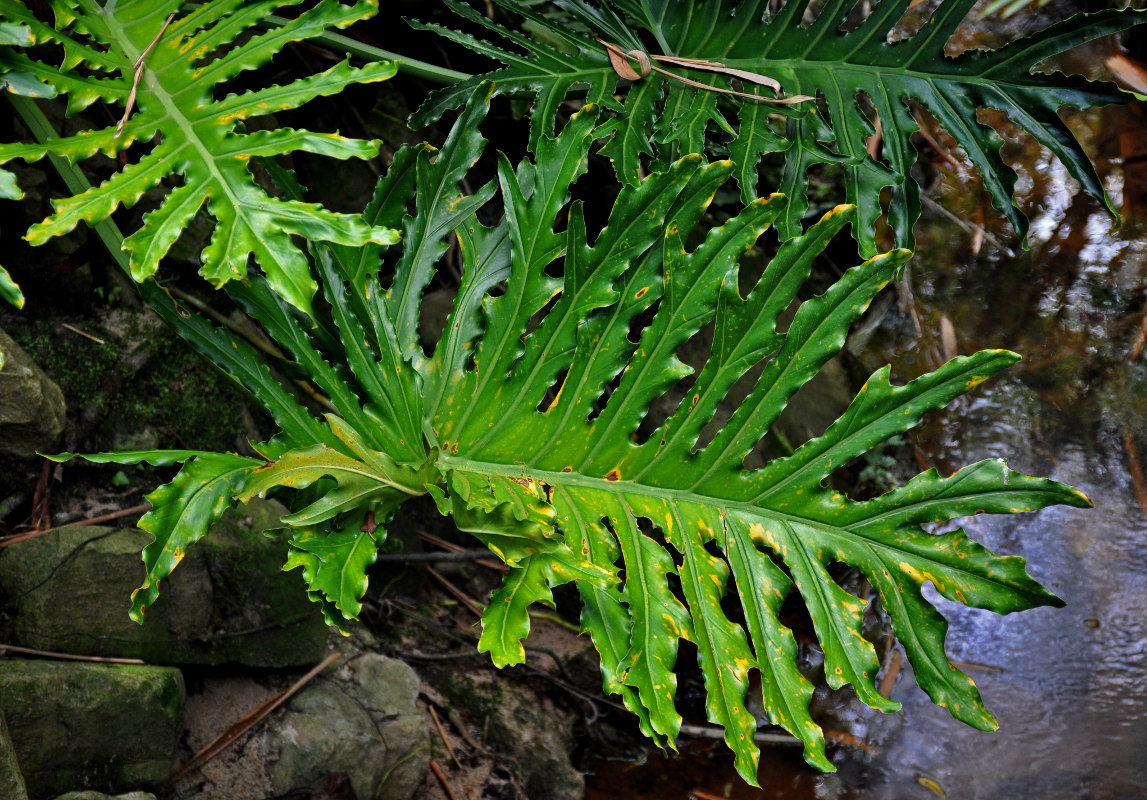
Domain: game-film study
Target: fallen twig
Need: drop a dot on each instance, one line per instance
(251, 338)
(430, 538)
(1136, 473)
(976, 231)
(443, 736)
(442, 780)
(459, 595)
(840, 737)
(78, 332)
(225, 739)
(1140, 336)
(42, 499)
(23, 537)
(621, 62)
(707, 732)
(698, 794)
(28, 651)
(782, 739)
(457, 555)
(890, 675)
(130, 104)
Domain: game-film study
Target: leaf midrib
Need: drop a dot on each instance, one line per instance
(174, 113)
(578, 480)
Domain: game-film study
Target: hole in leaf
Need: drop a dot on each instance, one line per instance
(603, 399)
(640, 322)
(552, 393)
(751, 266)
(693, 353)
(727, 407)
(539, 315)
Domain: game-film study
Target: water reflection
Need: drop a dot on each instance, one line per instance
(1067, 685)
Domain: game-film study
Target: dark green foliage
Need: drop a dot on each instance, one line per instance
(525, 421)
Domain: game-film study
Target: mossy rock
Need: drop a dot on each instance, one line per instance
(102, 796)
(362, 720)
(228, 601)
(104, 727)
(11, 781)
(32, 414)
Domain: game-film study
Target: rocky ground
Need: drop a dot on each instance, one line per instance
(404, 708)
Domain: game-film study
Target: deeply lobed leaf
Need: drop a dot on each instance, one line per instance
(200, 143)
(536, 412)
(848, 71)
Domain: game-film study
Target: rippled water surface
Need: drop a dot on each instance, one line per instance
(1067, 685)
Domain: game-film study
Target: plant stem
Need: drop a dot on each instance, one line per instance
(411, 66)
(39, 126)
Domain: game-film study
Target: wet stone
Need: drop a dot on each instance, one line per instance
(32, 414)
(525, 726)
(227, 602)
(102, 796)
(362, 721)
(103, 727)
(11, 781)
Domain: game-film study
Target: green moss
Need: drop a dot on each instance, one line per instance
(478, 699)
(189, 402)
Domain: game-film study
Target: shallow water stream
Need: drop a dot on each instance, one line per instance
(1067, 685)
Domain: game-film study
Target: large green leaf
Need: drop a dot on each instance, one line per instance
(170, 101)
(846, 69)
(532, 423)
(556, 408)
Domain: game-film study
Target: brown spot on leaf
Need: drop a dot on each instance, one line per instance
(613, 475)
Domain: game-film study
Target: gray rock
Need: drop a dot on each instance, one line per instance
(524, 726)
(817, 404)
(32, 414)
(363, 722)
(101, 796)
(228, 601)
(11, 781)
(107, 727)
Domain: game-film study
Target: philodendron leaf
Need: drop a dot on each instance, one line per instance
(9, 290)
(137, 54)
(746, 43)
(334, 562)
(552, 416)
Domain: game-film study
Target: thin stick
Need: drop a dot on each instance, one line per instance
(926, 134)
(706, 732)
(225, 739)
(459, 595)
(138, 75)
(1136, 473)
(1140, 336)
(453, 548)
(889, 679)
(619, 59)
(697, 794)
(967, 226)
(442, 780)
(458, 555)
(840, 737)
(28, 651)
(442, 735)
(23, 537)
(77, 331)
